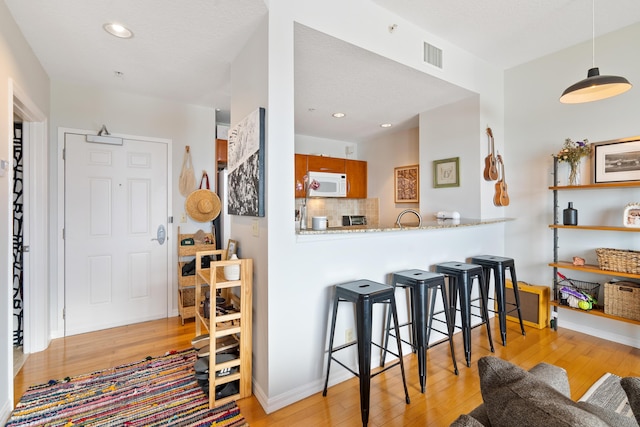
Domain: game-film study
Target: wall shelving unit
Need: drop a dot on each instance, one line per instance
(230, 323)
(594, 269)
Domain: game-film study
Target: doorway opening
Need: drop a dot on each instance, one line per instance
(18, 240)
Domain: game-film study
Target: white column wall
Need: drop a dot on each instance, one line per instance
(301, 271)
(19, 66)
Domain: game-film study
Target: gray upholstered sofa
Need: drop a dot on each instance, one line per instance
(539, 397)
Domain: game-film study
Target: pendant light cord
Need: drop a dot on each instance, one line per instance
(593, 33)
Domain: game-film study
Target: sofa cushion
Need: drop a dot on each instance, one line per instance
(466, 421)
(515, 397)
(631, 386)
(552, 375)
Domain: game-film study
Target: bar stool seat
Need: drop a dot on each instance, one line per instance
(364, 293)
(499, 266)
(461, 277)
(423, 285)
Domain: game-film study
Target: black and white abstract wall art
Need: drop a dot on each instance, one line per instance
(246, 165)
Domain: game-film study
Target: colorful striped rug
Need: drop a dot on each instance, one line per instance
(159, 391)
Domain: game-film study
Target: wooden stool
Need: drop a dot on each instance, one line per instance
(499, 265)
(423, 286)
(461, 277)
(364, 293)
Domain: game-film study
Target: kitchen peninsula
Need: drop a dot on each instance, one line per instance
(426, 225)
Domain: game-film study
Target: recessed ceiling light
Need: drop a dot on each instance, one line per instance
(338, 115)
(118, 30)
(386, 125)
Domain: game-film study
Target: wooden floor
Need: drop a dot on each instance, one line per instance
(447, 395)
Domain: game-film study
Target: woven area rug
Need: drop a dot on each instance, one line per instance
(608, 393)
(159, 391)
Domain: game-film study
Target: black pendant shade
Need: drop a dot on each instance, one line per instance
(594, 88)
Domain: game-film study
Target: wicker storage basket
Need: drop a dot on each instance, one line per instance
(623, 261)
(622, 299)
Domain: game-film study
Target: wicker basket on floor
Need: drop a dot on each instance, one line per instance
(622, 261)
(622, 299)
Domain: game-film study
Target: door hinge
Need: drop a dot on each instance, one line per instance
(63, 234)
(64, 314)
(64, 152)
(170, 220)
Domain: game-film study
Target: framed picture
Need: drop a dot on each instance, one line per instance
(245, 163)
(446, 172)
(232, 248)
(631, 217)
(616, 161)
(406, 184)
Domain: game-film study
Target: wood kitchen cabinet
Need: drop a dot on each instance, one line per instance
(356, 171)
(325, 164)
(300, 172)
(221, 153)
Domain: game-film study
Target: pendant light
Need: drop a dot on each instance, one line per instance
(595, 87)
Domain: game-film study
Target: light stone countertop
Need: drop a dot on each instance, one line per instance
(426, 225)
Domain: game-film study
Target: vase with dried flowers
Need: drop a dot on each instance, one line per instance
(572, 152)
(306, 185)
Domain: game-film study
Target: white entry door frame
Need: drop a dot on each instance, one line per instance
(36, 195)
(61, 298)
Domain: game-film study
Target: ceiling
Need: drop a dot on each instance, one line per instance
(181, 51)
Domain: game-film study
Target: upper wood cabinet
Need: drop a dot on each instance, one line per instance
(325, 164)
(221, 151)
(356, 171)
(356, 179)
(301, 171)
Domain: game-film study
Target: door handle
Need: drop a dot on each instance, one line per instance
(161, 234)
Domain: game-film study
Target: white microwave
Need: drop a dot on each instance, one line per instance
(327, 184)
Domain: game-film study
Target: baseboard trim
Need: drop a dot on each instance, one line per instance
(5, 412)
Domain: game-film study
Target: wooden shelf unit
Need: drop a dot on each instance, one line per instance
(186, 284)
(595, 312)
(235, 323)
(597, 227)
(594, 269)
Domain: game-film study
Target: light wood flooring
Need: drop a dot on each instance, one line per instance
(584, 357)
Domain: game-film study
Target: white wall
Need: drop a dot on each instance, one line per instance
(294, 312)
(306, 144)
(19, 66)
(249, 92)
(82, 107)
(383, 155)
(536, 127)
(448, 132)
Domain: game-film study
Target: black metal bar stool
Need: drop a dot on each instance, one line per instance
(461, 277)
(423, 285)
(364, 293)
(499, 265)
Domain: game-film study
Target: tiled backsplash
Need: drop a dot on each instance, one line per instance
(335, 208)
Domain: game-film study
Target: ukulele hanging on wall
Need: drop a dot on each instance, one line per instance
(490, 168)
(501, 197)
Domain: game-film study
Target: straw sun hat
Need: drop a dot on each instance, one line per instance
(203, 205)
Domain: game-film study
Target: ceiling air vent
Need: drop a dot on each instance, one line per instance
(432, 55)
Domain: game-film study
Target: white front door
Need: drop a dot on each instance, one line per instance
(115, 200)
